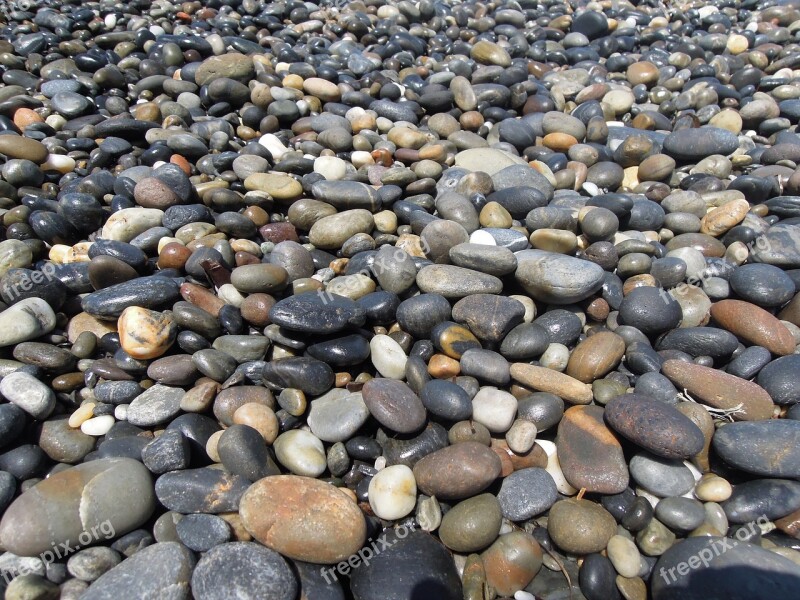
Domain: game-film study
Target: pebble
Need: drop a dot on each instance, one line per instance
(744, 399)
(655, 426)
(393, 492)
(235, 569)
(764, 448)
(661, 476)
(303, 519)
(30, 394)
(61, 507)
(458, 471)
(580, 526)
(526, 493)
(148, 572)
(589, 454)
(704, 579)
(557, 278)
(471, 525)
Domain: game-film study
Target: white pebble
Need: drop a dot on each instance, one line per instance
(274, 145)
(121, 412)
(30, 394)
(301, 452)
(555, 357)
(230, 295)
(482, 237)
(388, 357)
(393, 492)
(98, 426)
(494, 409)
(331, 168)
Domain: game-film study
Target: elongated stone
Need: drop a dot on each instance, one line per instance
(747, 400)
(547, 380)
(655, 426)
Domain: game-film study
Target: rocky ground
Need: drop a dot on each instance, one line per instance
(400, 300)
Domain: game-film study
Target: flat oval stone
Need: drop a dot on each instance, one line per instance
(654, 425)
(17, 146)
(148, 573)
(231, 571)
(580, 526)
(329, 233)
(443, 399)
(527, 493)
(472, 524)
(456, 282)
(337, 416)
(157, 404)
(145, 292)
(747, 400)
(394, 405)
(760, 498)
(768, 448)
(594, 357)
(26, 320)
(730, 567)
(763, 285)
(58, 509)
(557, 278)
(317, 313)
(700, 341)
(661, 476)
(589, 453)
(696, 144)
(312, 376)
(30, 394)
(779, 379)
(458, 471)
(303, 519)
(492, 260)
(426, 565)
(205, 490)
(754, 325)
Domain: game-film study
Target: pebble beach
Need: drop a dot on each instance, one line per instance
(400, 300)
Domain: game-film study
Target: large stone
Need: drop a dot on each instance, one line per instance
(303, 519)
(107, 498)
(158, 572)
(589, 453)
(557, 278)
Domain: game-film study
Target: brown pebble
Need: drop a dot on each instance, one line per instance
(590, 454)
(721, 390)
(443, 367)
(753, 324)
(173, 256)
(255, 309)
(595, 356)
(546, 380)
